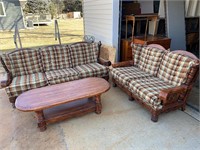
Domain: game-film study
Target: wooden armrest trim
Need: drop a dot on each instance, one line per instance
(171, 95)
(123, 64)
(7, 81)
(104, 62)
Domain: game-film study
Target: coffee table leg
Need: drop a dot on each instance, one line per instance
(98, 104)
(41, 120)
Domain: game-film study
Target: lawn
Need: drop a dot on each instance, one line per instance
(71, 30)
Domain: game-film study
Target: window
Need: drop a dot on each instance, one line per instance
(2, 10)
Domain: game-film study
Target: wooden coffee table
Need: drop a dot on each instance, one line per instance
(62, 101)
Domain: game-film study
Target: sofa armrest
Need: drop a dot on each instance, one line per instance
(123, 64)
(6, 80)
(171, 95)
(104, 62)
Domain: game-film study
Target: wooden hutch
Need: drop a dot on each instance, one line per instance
(126, 50)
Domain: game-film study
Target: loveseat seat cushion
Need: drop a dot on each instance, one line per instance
(55, 57)
(147, 89)
(92, 70)
(150, 59)
(83, 53)
(23, 62)
(24, 83)
(61, 75)
(125, 74)
(174, 68)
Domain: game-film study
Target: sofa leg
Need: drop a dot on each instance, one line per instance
(114, 85)
(183, 108)
(13, 105)
(130, 98)
(154, 117)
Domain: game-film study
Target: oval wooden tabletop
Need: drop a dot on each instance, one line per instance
(49, 96)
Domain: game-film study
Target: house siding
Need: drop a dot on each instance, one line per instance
(98, 16)
(13, 13)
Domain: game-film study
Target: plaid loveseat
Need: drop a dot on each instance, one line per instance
(34, 68)
(158, 79)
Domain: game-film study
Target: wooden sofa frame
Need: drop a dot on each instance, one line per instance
(8, 76)
(171, 98)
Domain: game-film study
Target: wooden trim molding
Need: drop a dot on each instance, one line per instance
(123, 64)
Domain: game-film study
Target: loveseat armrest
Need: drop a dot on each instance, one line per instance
(6, 80)
(171, 95)
(104, 62)
(123, 64)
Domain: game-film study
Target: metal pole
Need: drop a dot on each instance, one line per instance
(17, 35)
(57, 32)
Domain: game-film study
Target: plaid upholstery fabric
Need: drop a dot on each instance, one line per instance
(83, 53)
(92, 70)
(24, 83)
(148, 90)
(174, 68)
(150, 59)
(5, 60)
(125, 74)
(55, 57)
(136, 50)
(62, 75)
(23, 62)
(95, 47)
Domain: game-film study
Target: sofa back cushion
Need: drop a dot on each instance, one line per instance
(174, 68)
(23, 62)
(150, 59)
(83, 53)
(55, 57)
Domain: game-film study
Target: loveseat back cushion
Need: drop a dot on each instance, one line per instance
(24, 83)
(148, 89)
(136, 50)
(23, 62)
(55, 57)
(175, 68)
(61, 75)
(150, 59)
(83, 53)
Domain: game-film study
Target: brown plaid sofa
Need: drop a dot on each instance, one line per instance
(158, 79)
(34, 68)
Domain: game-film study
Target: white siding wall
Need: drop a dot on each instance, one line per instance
(99, 20)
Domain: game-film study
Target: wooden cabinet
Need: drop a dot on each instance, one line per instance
(126, 50)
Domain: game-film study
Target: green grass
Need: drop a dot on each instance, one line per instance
(71, 30)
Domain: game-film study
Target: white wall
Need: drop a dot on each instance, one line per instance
(99, 20)
(146, 6)
(176, 24)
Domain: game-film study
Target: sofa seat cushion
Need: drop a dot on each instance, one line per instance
(150, 59)
(92, 70)
(83, 53)
(175, 68)
(125, 74)
(55, 57)
(147, 89)
(61, 75)
(23, 62)
(24, 83)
